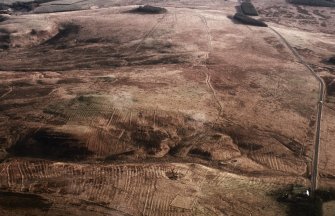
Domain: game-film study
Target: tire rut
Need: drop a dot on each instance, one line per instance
(206, 71)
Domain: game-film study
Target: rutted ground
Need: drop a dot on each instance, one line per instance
(142, 189)
(187, 86)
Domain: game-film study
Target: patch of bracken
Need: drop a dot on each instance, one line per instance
(200, 153)
(50, 144)
(248, 20)
(3, 18)
(249, 146)
(12, 200)
(67, 31)
(249, 9)
(320, 3)
(148, 9)
(331, 60)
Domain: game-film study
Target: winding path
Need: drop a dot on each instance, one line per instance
(208, 76)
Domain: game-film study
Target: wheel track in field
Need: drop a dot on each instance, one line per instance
(275, 163)
(206, 71)
(151, 31)
(7, 93)
(110, 137)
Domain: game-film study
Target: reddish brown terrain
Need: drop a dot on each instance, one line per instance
(106, 111)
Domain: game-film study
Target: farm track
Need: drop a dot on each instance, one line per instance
(322, 94)
(206, 71)
(161, 19)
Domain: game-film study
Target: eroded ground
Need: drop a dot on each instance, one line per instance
(181, 113)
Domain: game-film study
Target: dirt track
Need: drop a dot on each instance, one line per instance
(100, 111)
(322, 96)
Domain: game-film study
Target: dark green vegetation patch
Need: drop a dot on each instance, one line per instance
(11, 200)
(3, 18)
(321, 3)
(4, 39)
(330, 83)
(332, 60)
(300, 204)
(248, 20)
(249, 9)
(148, 9)
(67, 31)
(23, 6)
(50, 144)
